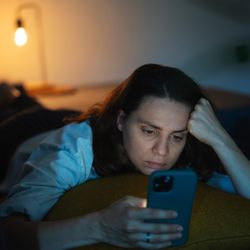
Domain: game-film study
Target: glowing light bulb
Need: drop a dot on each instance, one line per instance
(20, 36)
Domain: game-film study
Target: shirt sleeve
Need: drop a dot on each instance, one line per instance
(61, 161)
(222, 182)
(49, 172)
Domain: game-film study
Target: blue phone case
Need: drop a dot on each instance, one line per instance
(173, 190)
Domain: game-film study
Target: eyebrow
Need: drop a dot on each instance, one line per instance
(157, 127)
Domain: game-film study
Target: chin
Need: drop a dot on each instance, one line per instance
(148, 171)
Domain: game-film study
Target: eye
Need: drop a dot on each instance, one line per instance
(148, 131)
(178, 138)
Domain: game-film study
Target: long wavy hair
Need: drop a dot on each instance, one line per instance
(148, 80)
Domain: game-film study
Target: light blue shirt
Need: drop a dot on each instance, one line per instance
(68, 163)
(60, 160)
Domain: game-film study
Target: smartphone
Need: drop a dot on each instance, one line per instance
(173, 190)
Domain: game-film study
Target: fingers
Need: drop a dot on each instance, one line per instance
(201, 109)
(204, 102)
(202, 114)
(144, 220)
(134, 225)
(203, 123)
(151, 213)
(153, 241)
(155, 238)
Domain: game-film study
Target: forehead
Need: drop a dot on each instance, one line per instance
(162, 112)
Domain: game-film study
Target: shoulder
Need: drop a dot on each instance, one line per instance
(71, 143)
(70, 132)
(74, 138)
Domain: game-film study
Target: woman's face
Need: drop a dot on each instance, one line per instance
(155, 134)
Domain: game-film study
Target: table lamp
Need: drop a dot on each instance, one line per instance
(21, 38)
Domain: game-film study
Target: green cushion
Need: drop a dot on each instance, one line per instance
(219, 220)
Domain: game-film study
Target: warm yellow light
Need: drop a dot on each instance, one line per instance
(21, 37)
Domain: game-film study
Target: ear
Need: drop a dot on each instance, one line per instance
(120, 120)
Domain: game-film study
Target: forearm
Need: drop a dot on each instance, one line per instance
(236, 164)
(121, 224)
(57, 235)
(70, 233)
(204, 125)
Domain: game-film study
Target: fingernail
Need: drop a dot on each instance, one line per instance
(175, 214)
(179, 235)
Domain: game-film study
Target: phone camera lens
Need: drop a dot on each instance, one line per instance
(163, 183)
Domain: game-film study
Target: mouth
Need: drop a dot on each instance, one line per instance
(155, 165)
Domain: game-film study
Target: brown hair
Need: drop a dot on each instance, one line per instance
(148, 80)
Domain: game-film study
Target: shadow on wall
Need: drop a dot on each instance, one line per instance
(225, 67)
(234, 10)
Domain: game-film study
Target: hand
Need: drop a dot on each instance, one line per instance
(123, 224)
(204, 125)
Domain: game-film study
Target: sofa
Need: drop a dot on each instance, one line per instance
(219, 220)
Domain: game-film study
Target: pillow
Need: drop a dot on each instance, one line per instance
(219, 220)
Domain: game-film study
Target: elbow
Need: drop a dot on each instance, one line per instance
(247, 196)
(245, 193)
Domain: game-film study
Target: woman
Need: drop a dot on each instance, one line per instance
(157, 119)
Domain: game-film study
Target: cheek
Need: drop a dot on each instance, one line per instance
(181, 150)
(134, 146)
(128, 143)
(178, 150)
(131, 142)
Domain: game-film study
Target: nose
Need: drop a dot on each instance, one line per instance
(160, 147)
